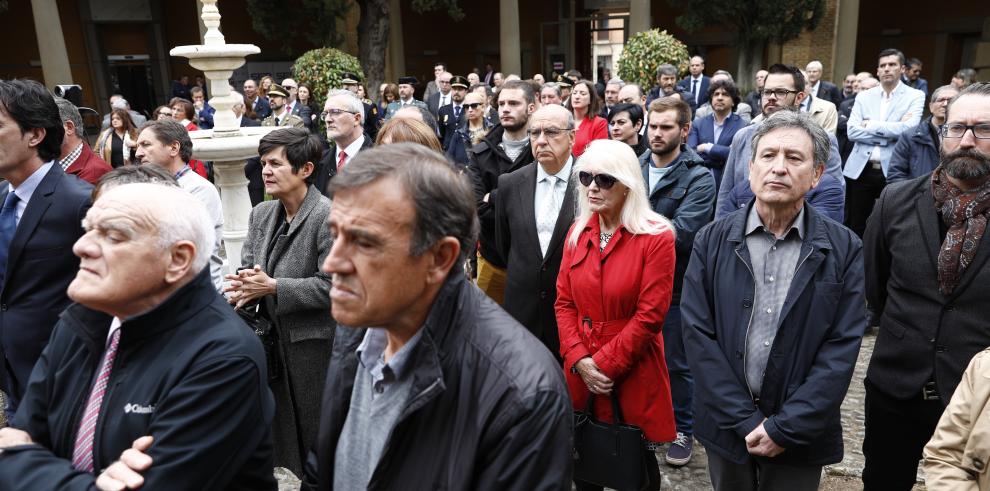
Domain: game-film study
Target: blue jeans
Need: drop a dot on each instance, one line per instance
(681, 382)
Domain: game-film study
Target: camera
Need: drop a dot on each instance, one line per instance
(72, 93)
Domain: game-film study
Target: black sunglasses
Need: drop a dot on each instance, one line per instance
(604, 181)
(473, 105)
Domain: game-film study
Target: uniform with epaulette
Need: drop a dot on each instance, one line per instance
(393, 107)
(278, 92)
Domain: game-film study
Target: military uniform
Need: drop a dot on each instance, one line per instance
(288, 119)
(393, 107)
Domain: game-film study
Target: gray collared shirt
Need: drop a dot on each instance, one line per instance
(380, 392)
(774, 263)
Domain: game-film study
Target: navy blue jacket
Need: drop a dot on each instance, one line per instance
(828, 198)
(190, 373)
(813, 354)
(703, 131)
(686, 196)
(40, 266)
(685, 85)
(915, 154)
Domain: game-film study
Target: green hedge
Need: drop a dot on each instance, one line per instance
(645, 52)
(323, 69)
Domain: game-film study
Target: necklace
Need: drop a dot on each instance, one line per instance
(603, 238)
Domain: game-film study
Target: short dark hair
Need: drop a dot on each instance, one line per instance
(594, 103)
(527, 89)
(729, 88)
(168, 131)
(671, 103)
(892, 52)
(187, 107)
(635, 112)
(300, 147)
(443, 199)
(441, 64)
(130, 174)
(33, 106)
(913, 62)
(780, 68)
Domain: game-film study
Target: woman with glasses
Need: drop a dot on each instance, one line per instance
(161, 113)
(472, 129)
(613, 291)
(588, 125)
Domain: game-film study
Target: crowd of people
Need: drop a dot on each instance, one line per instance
(442, 293)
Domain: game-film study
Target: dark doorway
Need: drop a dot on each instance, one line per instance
(132, 79)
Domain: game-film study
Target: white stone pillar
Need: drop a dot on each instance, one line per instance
(639, 16)
(508, 26)
(847, 25)
(51, 44)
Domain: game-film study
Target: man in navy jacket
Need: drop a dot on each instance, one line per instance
(773, 311)
(149, 359)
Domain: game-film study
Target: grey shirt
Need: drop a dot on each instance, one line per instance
(774, 262)
(380, 393)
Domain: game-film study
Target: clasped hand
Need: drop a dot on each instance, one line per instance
(758, 442)
(598, 383)
(248, 285)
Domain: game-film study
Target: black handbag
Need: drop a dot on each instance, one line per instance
(612, 455)
(255, 317)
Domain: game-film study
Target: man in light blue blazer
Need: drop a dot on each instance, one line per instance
(878, 118)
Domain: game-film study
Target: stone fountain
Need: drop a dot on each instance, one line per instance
(227, 144)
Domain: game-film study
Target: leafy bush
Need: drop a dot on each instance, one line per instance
(322, 69)
(645, 52)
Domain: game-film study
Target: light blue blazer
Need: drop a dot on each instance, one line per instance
(882, 129)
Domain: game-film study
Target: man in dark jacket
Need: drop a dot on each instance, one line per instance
(149, 361)
(682, 189)
(773, 311)
(505, 149)
(431, 385)
(917, 150)
(929, 291)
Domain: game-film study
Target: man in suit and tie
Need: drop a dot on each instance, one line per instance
(927, 259)
(407, 88)
(441, 97)
(878, 118)
(342, 113)
(259, 105)
(533, 210)
(819, 88)
(41, 219)
(696, 84)
(449, 115)
(711, 135)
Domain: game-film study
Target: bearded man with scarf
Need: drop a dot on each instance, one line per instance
(926, 255)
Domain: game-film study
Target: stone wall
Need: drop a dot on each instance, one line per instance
(818, 44)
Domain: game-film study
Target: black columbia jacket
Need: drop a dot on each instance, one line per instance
(189, 373)
(489, 409)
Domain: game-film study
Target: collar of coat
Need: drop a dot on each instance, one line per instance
(816, 235)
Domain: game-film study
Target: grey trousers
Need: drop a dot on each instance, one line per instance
(761, 475)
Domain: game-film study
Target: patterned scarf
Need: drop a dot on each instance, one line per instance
(966, 215)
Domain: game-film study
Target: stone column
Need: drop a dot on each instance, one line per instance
(396, 48)
(845, 39)
(51, 43)
(639, 16)
(508, 26)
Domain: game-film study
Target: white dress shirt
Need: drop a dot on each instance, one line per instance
(26, 189)
(547, 207)
(351, 150)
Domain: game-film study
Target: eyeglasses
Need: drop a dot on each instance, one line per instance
(551, 132)
(288, 87)
(334, 113)
(981, 131)
(473, 105)
(604, 181)
(778, 93)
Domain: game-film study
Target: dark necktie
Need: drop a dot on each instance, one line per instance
(8, 226)
(694, 89)
(457, 113)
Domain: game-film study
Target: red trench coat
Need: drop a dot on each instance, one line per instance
(612, 311)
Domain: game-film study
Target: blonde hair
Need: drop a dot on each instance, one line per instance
(618, 160)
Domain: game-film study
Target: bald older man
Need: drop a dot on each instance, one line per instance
(148, 359)
(546, 188)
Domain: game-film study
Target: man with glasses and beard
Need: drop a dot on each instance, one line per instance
(783, 89)
(682, 189)
(926, 253)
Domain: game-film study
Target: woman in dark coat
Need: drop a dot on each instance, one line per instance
(613, 291)
(287, 242)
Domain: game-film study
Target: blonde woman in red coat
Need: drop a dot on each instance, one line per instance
(613, 291)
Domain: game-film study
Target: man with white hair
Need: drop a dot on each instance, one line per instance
(240, 110)
(818, 88)
(611, 96)
(117, 101)
(148, 366)
(343, 114)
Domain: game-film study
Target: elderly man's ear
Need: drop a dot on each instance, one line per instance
(180, 261)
